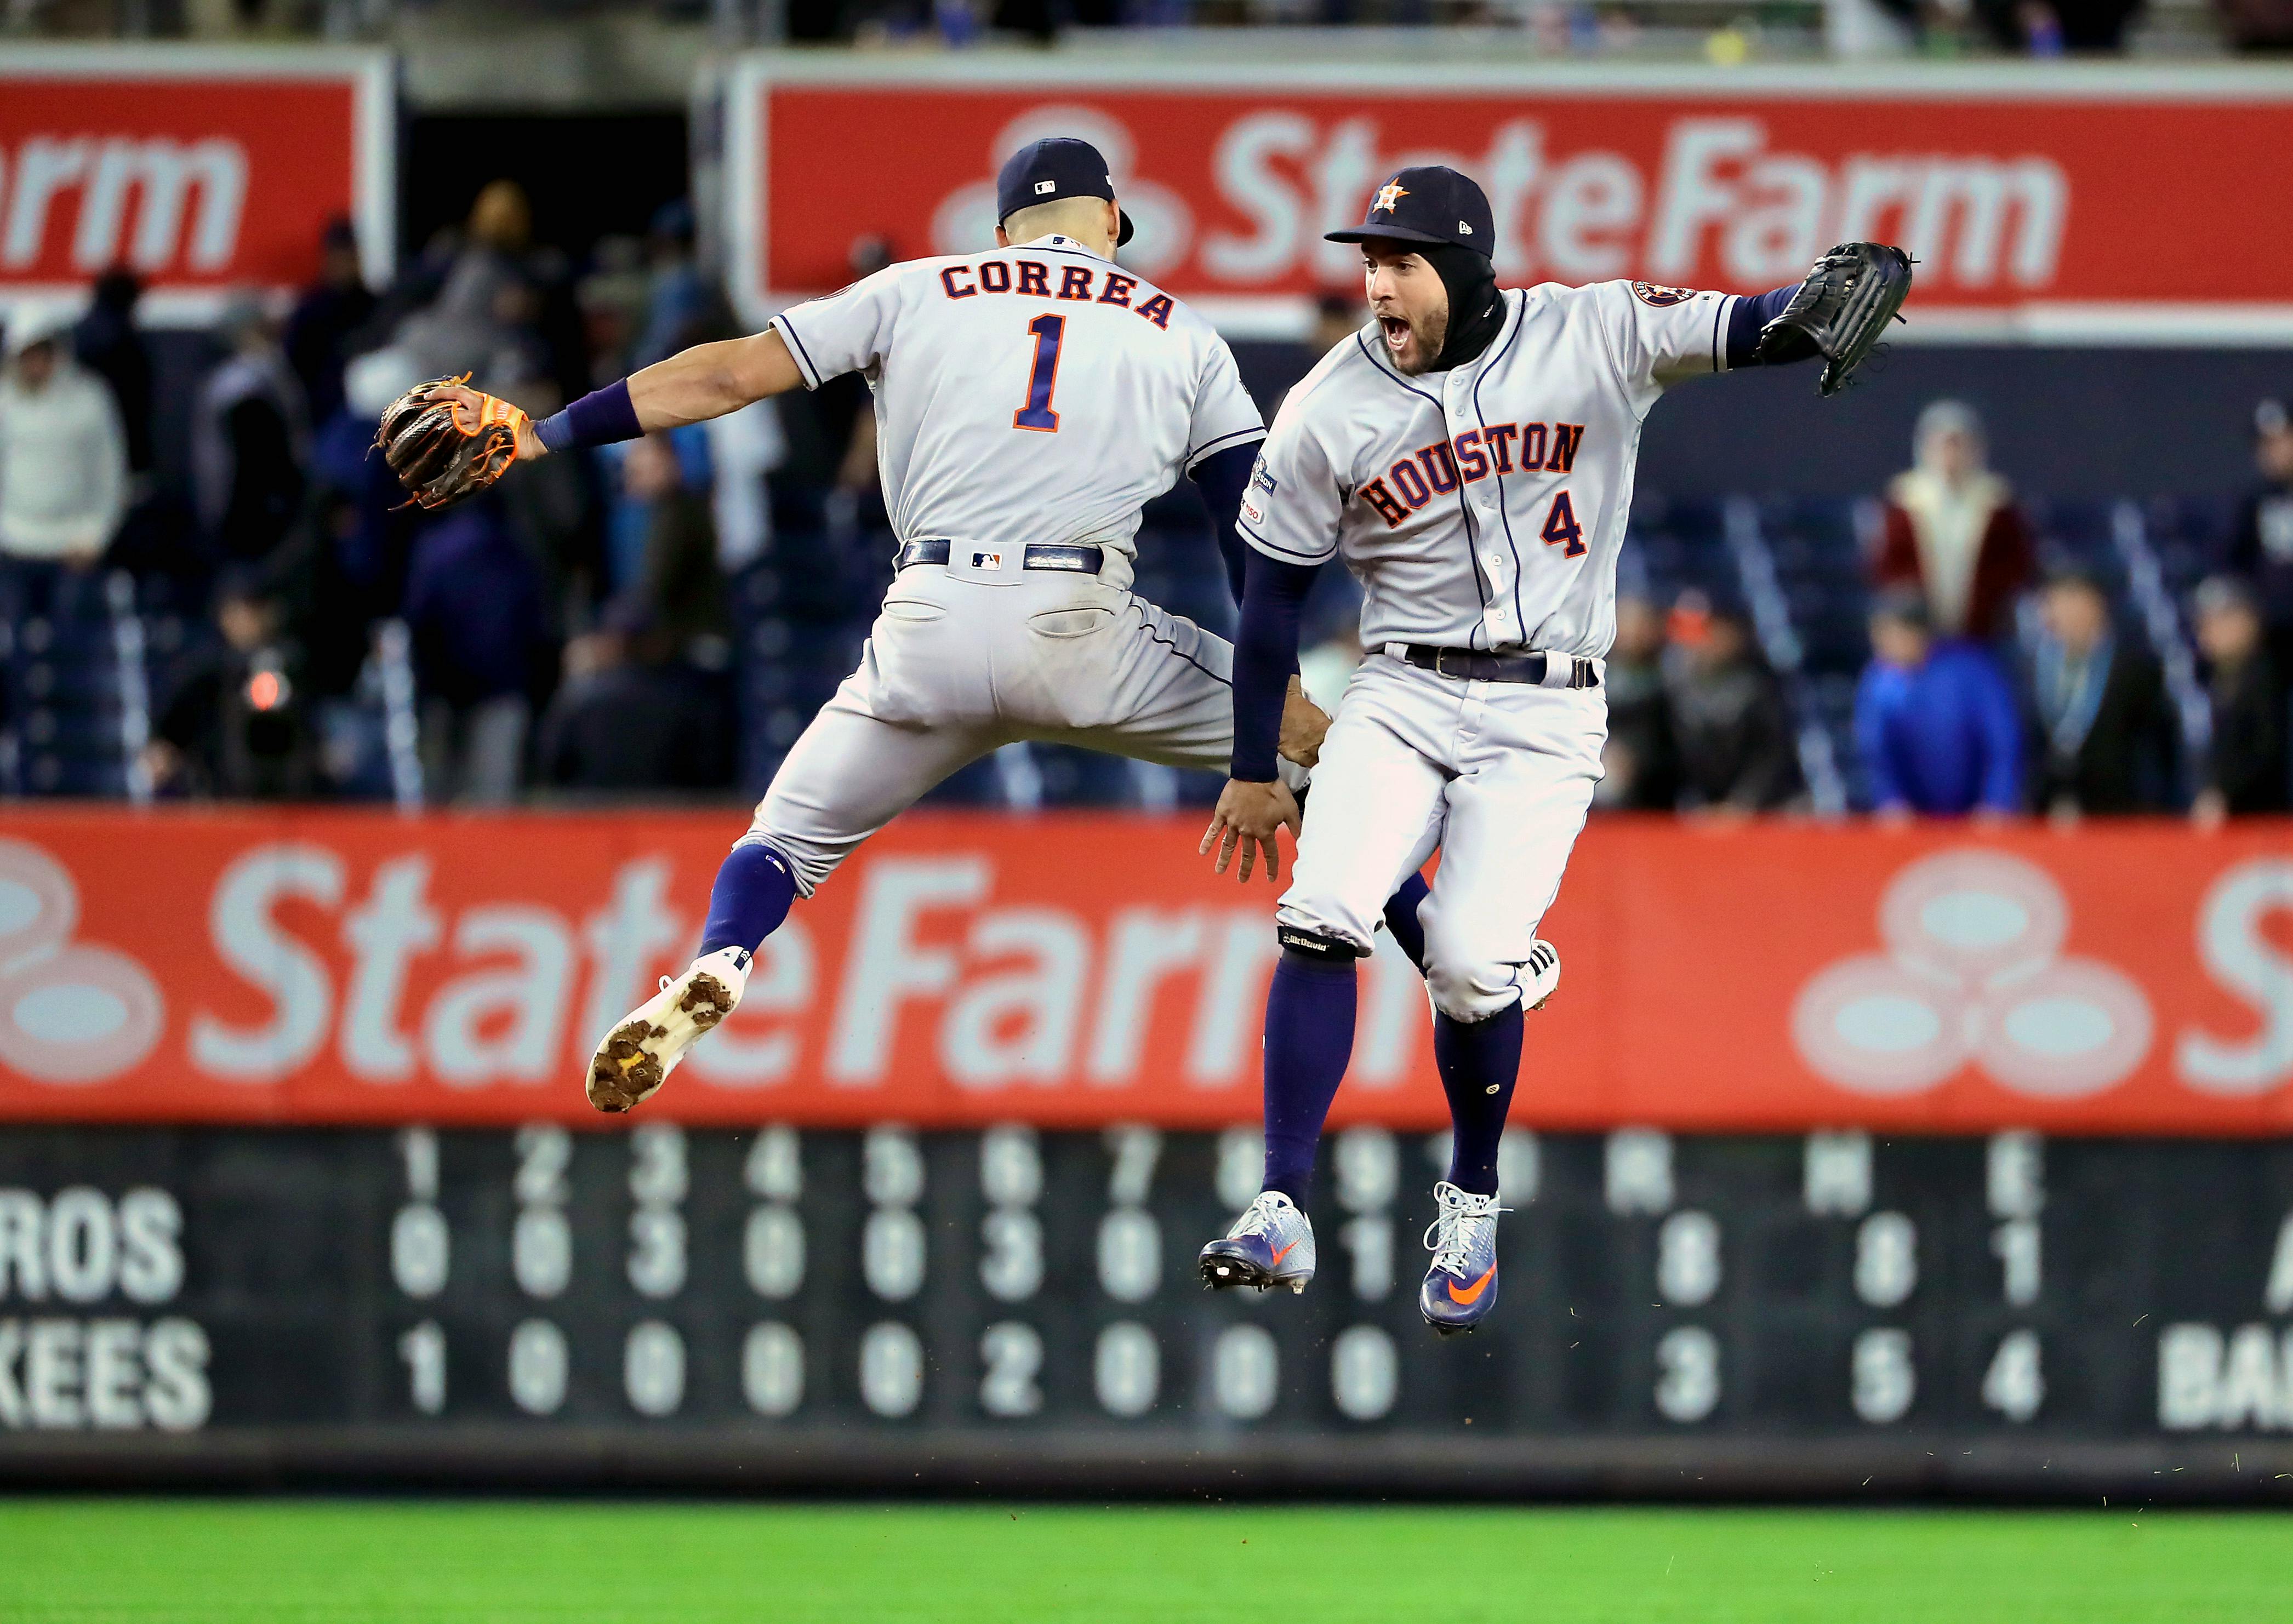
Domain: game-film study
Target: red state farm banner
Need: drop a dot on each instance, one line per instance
(202, 170)
(2053, 202)
(358, 967)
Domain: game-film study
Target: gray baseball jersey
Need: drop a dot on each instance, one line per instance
(1026, 395)
(1123, 387)
(1483, 507)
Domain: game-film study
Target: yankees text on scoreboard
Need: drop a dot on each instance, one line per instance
(839, 1306)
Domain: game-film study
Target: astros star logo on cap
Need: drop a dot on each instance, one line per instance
(1394, 191)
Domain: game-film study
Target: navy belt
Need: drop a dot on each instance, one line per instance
(1074, 558)
(1478, 666)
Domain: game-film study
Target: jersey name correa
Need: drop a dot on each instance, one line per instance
(1038, 393)
(1484, 506)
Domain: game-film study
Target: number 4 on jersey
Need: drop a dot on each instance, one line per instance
(1561, 528)
(1037, 414)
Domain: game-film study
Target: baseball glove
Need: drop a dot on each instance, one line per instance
(439, 451)
(1841, 310)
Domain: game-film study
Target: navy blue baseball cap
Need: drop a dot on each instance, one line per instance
(1045, 171)
(1431, 205)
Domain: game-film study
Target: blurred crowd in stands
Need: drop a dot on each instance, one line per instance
(569, 630)
(661, 620)
(2008, 672)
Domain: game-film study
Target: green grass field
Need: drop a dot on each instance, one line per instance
(447, 1562)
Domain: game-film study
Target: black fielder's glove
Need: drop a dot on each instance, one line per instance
(445, 442)
(1841, 310)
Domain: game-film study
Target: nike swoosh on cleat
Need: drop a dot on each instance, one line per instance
(1283, 1253)
(1466, 1297)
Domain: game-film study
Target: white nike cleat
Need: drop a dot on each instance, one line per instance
(1461, 1287)
(1270, 1245)
(638, 1056)
(1543, 970)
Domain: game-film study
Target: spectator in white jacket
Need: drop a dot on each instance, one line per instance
(63, 453)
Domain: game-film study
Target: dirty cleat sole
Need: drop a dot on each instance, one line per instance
(632, 1064)
(1224, 1272)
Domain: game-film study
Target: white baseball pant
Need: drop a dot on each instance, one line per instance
(962, 661)
(1502, 772)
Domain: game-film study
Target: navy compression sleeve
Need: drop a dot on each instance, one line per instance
(1223, 477)
(601, 417)
(1264, 654)
(1751, 314)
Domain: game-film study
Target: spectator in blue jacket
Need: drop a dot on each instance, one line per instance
(1935, 720)
(473, 607)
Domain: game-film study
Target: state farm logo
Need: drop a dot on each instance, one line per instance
(1972, 974)
(70, 1013)
(1712, 200)
(1162, 225)
(155, 203)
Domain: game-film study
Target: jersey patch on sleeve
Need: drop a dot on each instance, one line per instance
(1659, 295)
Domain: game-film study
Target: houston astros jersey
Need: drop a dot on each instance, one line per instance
(1039, 393)
(1483, 507)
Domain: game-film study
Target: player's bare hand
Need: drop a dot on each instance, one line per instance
(1248, 816)
(1303, 724)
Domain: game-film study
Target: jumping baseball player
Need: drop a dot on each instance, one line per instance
(1469, 456)
(1031, 399)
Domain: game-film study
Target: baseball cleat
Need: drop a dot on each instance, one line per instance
(1543, 966)
(1461, 1287)
(1270, 1245)
(638, 1056)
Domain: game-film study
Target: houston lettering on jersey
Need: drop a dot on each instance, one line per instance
(1033, 277)
(1495, 448)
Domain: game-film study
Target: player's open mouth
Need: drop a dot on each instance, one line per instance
(1397, 331)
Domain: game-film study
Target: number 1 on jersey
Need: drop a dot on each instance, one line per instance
(1037, 414)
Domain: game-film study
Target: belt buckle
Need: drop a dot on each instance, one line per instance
(1440, 662)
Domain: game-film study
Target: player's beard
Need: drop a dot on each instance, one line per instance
(1427, 333)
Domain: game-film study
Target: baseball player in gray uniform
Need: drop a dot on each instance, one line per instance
(1030, 399)
(1469, 456)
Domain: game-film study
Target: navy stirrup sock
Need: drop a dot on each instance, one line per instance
(1401, 918)
(1480, 1061)
(1309, 1038)
(753, 893)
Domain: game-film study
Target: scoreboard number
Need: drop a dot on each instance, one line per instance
(772, 1252)
(538, 1365)
(1688, 1374)
(1364, 1372)
(1245, 1366)
(424, 1349)
(1012, 1355)
(652, 1369)
(891, 1369)
(1886, 1259)
(1687, 1259)
(772, 1369)
(1129, 1255)
(1884, 1379)
(2014, 1385)
(1126, 1370)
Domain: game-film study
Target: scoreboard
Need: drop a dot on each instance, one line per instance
(1019, 1309)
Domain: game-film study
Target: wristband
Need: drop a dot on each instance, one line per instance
(601, 417)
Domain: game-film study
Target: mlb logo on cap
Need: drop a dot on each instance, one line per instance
(1059, 167)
